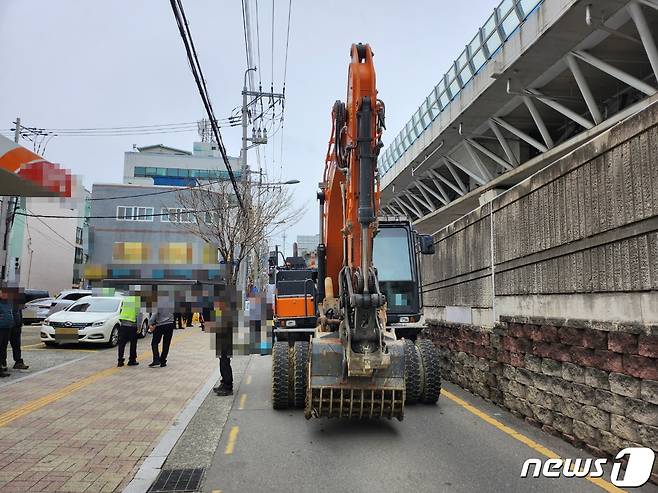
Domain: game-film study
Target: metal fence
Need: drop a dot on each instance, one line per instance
(502, 23)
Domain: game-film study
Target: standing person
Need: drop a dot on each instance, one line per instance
(17, 328)
(161, 324)
(128, 329)
(224, 347)
(6, 324)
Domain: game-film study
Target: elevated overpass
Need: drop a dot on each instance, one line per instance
(537, 80)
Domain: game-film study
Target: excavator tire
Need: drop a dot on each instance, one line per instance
(429, 358)
(280, 375)
(300, 357)
(412, 373)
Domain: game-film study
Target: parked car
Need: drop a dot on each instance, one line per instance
(34, 294)
(37, 303)
(67, 298)
(95, 317)
(37, 308)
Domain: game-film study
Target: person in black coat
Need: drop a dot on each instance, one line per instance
(16, 302)
(6, 324)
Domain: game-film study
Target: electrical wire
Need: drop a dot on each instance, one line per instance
(272, 79)
(155, 214)
(38, 218)
(195, 67)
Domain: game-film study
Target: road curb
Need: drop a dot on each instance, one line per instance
(152, 465)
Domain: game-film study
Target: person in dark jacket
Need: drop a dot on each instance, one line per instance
(16, 302)
(6, 324)
(161, 324)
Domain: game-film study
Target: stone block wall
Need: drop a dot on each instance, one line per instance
(595, 384)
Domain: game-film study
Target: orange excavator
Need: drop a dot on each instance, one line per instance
(354, 366)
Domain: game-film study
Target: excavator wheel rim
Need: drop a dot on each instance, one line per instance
(431, 371)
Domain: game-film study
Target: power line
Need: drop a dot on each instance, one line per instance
(38, 218)
(136, 216)
(119, 127)
(195, 67)
(285, 63)
(272, 79)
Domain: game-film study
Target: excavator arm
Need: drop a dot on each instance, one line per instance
(353, 366)
(353, 324)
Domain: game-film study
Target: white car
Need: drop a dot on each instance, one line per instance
(95, 317)
(36, 310)
(66, 299)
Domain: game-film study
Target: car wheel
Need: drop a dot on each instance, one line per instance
(114, 336)
(144, 329)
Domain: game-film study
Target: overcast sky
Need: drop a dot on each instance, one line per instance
(101, 63)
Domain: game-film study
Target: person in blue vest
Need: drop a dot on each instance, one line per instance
(6, 326)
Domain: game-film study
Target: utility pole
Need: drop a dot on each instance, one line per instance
(256, 139)
(5, 208)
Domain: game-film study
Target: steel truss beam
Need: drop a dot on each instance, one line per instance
(420, 201)
(478, 162)
(539, 121)
(475, 176)
(413, 210)
(584, 89)
(490, 154)
(560, 108)
(642, 27)
(424, 193)
(520, 134)
(615, 72)
(440, 198)
(503, 143)
(436, 176)
(457, 178)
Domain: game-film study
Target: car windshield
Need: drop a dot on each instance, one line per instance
(97, 305)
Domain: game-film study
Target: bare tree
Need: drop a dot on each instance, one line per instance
(211, 212)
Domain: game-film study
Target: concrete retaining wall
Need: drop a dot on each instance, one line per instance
(545, 300)
(579, 239)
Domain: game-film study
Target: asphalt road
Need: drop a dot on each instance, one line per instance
(436, 448)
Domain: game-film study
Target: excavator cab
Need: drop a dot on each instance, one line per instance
(395, 254)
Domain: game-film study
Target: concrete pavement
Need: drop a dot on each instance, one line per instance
(449, 447)
(88, 425)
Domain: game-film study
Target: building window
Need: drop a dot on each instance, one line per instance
(134, 213)
(79, 255)
(78, 236)
(140, 171)
(177, 215)
(209, 217)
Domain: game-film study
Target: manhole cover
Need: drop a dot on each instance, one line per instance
(178, 480)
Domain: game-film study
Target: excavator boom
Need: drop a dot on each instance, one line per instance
(356, 366)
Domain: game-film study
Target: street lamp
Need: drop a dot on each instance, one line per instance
(277, 183)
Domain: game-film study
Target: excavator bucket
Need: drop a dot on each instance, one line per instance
(332, 394)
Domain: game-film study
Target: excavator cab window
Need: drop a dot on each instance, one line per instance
(394, 258)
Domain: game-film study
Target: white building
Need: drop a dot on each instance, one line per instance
(163, 165)
(48, 252)
(307, 243)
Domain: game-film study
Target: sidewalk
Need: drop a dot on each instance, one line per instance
(88, 426)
